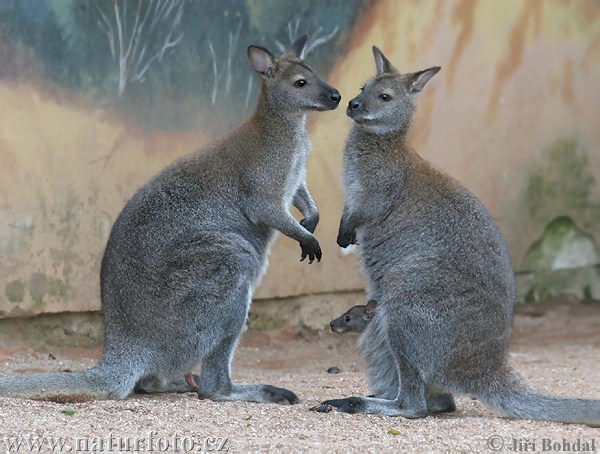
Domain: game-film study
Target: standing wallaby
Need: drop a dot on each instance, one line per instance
(355, 319)
(438, 267)
(189, 248)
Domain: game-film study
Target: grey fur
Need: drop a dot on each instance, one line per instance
(189, 248)
(438, 267)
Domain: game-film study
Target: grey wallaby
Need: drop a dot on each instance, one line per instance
(355, 319)
(189, 248)
(438, 267)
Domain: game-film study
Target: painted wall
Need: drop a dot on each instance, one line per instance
(87, 115)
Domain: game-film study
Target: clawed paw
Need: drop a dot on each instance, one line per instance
(312, 250)
(348, 405)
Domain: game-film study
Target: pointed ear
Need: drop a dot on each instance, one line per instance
(419, 79)
(262, 61)
(383, 64)
(370, 309)
(296, 50)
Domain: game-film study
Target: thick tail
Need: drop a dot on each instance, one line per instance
(98, 383)
(513, 398)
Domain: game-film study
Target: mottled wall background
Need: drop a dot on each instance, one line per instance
(96, 97)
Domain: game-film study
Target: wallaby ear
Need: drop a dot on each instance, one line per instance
(296, 50)
(370, 309)
(382, 63)
(419, 79)
(262, 61)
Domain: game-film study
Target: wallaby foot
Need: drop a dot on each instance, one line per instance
(155, 384)
(254, 393)
(379, 406)
(440, 403)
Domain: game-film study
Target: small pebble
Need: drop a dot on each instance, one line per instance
(333, 370)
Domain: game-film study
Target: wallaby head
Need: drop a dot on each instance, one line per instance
(387, 101)
(290, 85)
(355, 320)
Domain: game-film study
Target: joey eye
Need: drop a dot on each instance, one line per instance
(385, 97)
(300, 83)
(347, 319)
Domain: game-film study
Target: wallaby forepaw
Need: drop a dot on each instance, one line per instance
(348, 405)
(310, 223)
(312, 250)
(346, 238)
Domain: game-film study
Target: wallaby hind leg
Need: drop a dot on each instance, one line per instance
(410, 401)
(215, 380)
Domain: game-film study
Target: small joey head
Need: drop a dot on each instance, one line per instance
(289, 84)
(355, 320)
(387, 101)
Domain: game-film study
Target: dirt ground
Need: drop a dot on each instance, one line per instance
(556, 349)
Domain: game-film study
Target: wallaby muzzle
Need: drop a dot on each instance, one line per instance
(331, 97)
(355, 107)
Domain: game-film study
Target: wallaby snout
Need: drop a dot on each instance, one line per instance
(353, 106)
(329, 97)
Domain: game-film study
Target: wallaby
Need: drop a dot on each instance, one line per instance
(438, 267)
(187, 251)
(355, 319)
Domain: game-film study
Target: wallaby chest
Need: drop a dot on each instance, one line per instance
(300, 147)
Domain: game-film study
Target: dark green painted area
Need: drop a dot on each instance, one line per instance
(562, 203)
(562, 184)
(580, 283)
(53, 330)
(41, 286)
(15, 291)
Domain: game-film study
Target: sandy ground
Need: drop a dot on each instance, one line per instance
(557, 351)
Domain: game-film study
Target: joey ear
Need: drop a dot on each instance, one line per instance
(296, 50)
(370, 309)
(262, 61)
(382, 63)
(419, 79)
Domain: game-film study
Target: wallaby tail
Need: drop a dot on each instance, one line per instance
(98, 383)
(510, 396)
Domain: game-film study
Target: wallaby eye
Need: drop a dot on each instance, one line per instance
(385, 97)
(300, 83)
(347, 319)
(362, 88)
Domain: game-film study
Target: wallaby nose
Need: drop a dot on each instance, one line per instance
(335, 96)
(354, 104)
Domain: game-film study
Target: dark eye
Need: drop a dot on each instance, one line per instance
(362, 88)
(300, 83)
(385, 97)
(347, 319)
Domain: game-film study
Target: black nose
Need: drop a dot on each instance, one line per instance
(354, 104)
(335, 96)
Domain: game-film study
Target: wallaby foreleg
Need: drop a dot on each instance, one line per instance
(306, 204)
